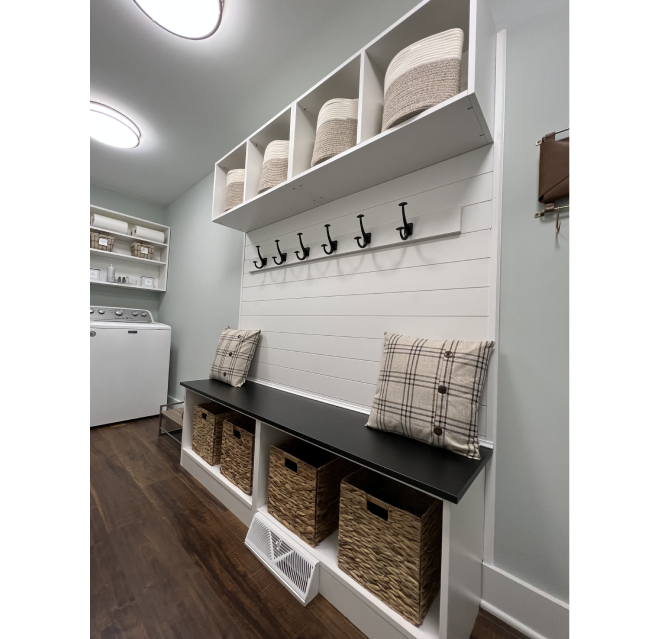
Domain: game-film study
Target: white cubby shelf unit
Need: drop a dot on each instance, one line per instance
(126, 265)
(454, 610)
(453, 127)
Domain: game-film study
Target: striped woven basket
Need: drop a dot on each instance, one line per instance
(336, 129)
(390, 538)
(207, 431)
(276, 165)
(422, 75)
(237, 456)
(235, 186)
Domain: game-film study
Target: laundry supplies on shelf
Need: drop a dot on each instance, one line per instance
(148, 234)
(235, 188)
(422, 75)
(108, 223)
(275, 167)
(336, 129)
(101, 242)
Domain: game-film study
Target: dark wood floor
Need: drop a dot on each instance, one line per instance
(168, 560)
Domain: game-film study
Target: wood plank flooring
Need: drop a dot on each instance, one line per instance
(168, 560)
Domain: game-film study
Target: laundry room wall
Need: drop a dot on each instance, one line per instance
(203, 285)
(107, 295)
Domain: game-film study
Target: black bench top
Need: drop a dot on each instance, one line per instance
(436, 471)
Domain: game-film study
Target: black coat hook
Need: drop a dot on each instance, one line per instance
(262, 259)
(333, 243)
(366, 237)
(406, 230)
(282, 255)
(305, 249)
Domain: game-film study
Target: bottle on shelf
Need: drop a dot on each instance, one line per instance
(111, 273)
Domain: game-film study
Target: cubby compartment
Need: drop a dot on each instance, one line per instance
(233, 160)
(342, 83)
(279, 128)
(441, 125)
(433, 18)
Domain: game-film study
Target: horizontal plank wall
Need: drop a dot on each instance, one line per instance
(322, 323)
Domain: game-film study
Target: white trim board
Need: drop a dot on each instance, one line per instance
(524, 607)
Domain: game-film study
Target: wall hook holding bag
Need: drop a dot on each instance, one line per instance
(553, 174)
(282, 255)
(262, 260)
(366, 237)
(305, 249)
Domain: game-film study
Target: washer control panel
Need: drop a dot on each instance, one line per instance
(114, 314)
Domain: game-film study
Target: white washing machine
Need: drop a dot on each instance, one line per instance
(130, 361)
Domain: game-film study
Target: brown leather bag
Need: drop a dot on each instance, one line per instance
(553, 170)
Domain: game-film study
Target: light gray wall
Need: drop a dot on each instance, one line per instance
(203, 286)
(531, 513)
(109, 296)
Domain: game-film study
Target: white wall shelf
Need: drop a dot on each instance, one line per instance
(127, 265)
(122, 257)
(132, 238)
(135, 287)
(451, 128)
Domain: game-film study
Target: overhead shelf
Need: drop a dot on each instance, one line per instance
(453, 127)
(135, 287)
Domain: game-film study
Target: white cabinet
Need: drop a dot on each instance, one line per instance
(453, 127)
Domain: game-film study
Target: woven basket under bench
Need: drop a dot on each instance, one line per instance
(207, 431)
(237, 456)
(390, 542)
(303, 488)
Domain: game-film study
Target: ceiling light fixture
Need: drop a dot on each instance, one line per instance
(111, 127)
(190, 19)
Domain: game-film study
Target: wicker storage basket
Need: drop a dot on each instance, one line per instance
(145, 251)
(390, 539)
(336, 129)
(303, 489)
(235, 187)
(422, 75)
(276, 165)
(207, 431)
(106, 244)
(236, 459)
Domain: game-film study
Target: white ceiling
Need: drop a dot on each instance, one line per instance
(196, 100)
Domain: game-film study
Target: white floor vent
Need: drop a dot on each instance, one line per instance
(285, 558)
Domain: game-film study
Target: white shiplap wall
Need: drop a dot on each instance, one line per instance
(322, 322)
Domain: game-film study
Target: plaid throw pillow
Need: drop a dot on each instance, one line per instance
(429, 390)
(234, 356)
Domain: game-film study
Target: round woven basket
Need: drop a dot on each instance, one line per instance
(234, 191)
(422, 75)
(336, 129)
(276, 165)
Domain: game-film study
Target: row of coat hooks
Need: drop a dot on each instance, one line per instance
(363, 240)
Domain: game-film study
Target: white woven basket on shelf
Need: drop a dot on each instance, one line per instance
(336, 129)
(422, 75)
(275, 166)
(235, 187)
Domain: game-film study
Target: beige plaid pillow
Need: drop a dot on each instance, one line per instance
(234, 356)
(429, 390)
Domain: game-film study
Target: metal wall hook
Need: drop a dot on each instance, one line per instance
(282, 255)
(305, 249)
(333, 243)
(366, 237)
(263, 259)
(406, 230)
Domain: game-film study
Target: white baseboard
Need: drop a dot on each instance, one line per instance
(524, 607)
(172, 400)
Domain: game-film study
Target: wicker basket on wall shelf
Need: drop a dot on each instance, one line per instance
(101, 242)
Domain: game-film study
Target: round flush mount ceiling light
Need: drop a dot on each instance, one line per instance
(111, 127)
(190, 19)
